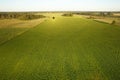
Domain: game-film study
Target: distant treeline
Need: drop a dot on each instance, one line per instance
(22, 16)
(96, 13)
(101, 14)
(104, 14)
(67, 14)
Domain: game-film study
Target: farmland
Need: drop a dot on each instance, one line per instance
(10, 28)
(64, 48)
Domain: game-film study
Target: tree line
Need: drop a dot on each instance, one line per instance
(23, 16)
(67, 14)
(96, 13)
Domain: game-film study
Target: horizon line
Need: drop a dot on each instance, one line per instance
(65, 11)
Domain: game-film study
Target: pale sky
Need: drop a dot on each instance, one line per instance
(59, 5)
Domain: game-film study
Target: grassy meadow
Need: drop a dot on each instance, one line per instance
(64, 48)
(10, 28)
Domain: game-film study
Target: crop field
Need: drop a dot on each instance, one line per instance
(64, 48)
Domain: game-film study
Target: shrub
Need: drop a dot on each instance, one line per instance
(113, 22)
(53, 17)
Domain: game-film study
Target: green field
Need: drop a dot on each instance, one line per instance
(66, 48)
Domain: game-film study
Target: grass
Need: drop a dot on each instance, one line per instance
(107, 20)
(10, 28)
(72, 48)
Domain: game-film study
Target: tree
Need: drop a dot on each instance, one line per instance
(0, 15)
(68, 14)
(102, 14)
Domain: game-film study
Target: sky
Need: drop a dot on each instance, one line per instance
(59, 5)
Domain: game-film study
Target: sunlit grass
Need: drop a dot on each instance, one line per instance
(66, 48)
